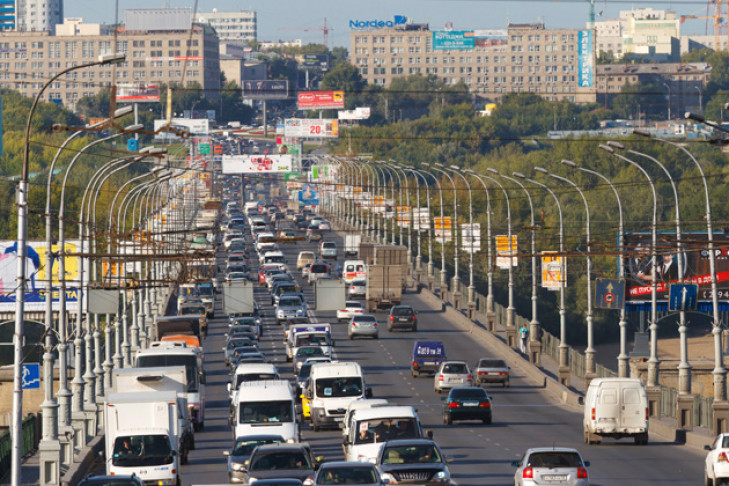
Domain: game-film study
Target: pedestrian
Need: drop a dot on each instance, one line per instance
(523, 335)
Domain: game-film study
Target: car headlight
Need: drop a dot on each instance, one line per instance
(251, 479)
(442, 476)
(389, 477)
(236, 466)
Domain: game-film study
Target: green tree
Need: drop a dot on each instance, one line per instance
(347, 78)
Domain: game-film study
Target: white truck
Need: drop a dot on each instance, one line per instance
(173, 378)
(180, 356)
(142, 436)
(316, 335)
(616, 408)
(351, 244)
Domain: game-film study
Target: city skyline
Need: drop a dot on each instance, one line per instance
(459, 14)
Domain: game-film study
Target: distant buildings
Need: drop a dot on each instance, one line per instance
(238, 28)
(30, 15)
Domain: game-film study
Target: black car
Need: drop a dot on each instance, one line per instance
(414, 461)
(467, 403)
(402, 317)
(276, 461)
(111, 481)
(241, 452)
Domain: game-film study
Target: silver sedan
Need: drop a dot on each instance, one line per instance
(363, 325)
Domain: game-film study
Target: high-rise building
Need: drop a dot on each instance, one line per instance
(232, 27)
(38, 15)
(8, 15)
(644, 32)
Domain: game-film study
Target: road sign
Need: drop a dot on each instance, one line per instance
(683, 297)
(504, 251)
(551, 270)
(30, 376)
(132, 145)
(609, 293)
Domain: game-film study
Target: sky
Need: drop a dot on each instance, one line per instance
(285, 19)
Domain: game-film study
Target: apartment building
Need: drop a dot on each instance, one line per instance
(174, 57)
(232, 27)
(557, 64)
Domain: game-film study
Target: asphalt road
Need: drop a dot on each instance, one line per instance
(480, 454)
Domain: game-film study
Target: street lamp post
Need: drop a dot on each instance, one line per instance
(653, 363)
(623, 324)
(535, 345)
(490, 315)
(21, 245)
(720, 406)
(510, 329)
(443, 283)
(564, 366)
(455, 283)
(590, 373)
(471, 305)
(668, 86)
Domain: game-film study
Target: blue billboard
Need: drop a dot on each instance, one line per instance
(453, 40)
(309, 195)
(585, 59)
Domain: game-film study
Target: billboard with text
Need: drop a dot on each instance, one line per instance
(321, 100)
(311, 128)
(137, 93)
(266, 89)
(257, 164)
(456, 40)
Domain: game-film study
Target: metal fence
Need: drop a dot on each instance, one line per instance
(30, 439)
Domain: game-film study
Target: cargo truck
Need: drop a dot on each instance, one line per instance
(384, 286)
(352, 243)
(142, 436)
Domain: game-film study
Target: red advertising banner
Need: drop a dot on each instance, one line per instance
(321, 100)
(137, 93)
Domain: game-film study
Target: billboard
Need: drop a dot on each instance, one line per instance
(442, 229)
(403, 216)
(503, 251)
(320, 61)
(266, 89)
(35, 271)
(321, 100)
(137, 93)
(361, 113)
(490, 38)
(551, 270)
(695, 262)
(585, 59)
(471, 237)
(257, 164)
(421, 219)
(456, 40)
(311, 128)
(309, 195)
(196, 127)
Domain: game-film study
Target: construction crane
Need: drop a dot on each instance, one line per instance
(719, 21)
(325, 29)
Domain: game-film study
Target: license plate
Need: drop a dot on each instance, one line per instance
(555, 477)
(428, 362)
(470, 404)
(338, 419)
(455, 380)
(403, 319)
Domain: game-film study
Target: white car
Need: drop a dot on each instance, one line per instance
(551, 465)
(717, 461)
(357, 288)
(351, 309)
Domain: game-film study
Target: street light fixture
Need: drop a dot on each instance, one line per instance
(489, 254)
(454, 228)
(471, 288)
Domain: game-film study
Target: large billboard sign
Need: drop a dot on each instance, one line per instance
(194, 126)
(456, 40)
(320, 61)
(359, 113)
(311, 128)
(695, 265)
(505, 250)
(266, 89)
(257, 164)
(137, 93)
(551, 270)
(321, 100)
(585, 59)
(36, 268)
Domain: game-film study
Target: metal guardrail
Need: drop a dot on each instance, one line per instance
(30, 439)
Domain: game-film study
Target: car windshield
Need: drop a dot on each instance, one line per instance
(305, 371)
(402, 311)
(475, 393)
(309, 352)
(238, 342)
(339, 387)
(354, 305)
(313, 341)
(289, 302)
(384, 429)
(491, 363)
(141, 450)
(458, 368)
(318, 269)
(347, 475)
(244, 378)
(192, 310)
(280, 460)
(552, 459)
(245, 447)
(365, 319)
(265, 412)
(411, 454)
(275, 259)
(206, 290)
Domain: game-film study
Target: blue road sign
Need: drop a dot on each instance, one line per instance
(30, 376)
(133, 145)
(683, 297)
(609, 293)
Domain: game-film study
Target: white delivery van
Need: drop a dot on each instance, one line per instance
(360, 404)
(372, 427)
(266, 408)
(354, 270)
(617, 408)
(250, 372)
(142, 436)
(333, 387)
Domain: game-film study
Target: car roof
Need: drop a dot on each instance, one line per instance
(551, 449)
(258, 437)
(387, 411)
(407, 442)
(346, 464)
(244, 368)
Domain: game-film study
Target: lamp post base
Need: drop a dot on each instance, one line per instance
(535, 352)
(564, 375)
(471, 309)
(490, 320)
(511, 337)
(457, 300)
(654, 400)
(685, 412)
(49, 472)
(721, 417)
